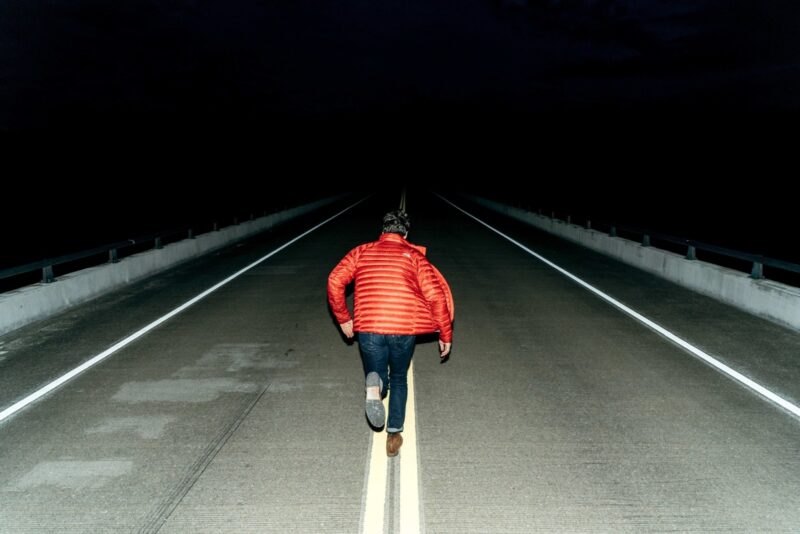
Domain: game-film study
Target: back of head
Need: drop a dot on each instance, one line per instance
(396, 222)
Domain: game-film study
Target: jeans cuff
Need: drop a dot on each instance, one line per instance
(394, 430)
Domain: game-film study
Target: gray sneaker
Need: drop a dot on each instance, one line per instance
(376, 414)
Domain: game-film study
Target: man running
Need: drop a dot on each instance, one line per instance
(398, 294)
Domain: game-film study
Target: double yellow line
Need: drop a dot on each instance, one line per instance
(378, 489)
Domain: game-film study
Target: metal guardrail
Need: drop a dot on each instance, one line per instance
(692, 246)
(112, 249)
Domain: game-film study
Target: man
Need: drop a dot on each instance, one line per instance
(398, 295)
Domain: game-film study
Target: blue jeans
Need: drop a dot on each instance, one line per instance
(389, 355)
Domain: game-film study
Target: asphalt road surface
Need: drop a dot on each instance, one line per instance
(555, 413)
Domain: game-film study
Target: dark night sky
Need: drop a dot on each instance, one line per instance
(244, 64)
(690, 105)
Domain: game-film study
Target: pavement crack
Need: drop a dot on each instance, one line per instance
(168, 505)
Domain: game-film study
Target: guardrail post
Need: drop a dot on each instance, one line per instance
(158, 244)
(612, 232)
(588, 224)
(691, 253)
(758, 269)
(553, 215)
(251, 216)
(569, 219)
(236, 220)
(112, 256)
(216, 226)
(645, 240)
(47, 275)
(191, 234)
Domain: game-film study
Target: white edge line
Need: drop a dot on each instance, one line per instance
(747, 382)
(11, 410)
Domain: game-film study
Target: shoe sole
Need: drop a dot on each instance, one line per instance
(376, 413)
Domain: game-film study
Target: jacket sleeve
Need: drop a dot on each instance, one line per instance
(342, 275)
(434, 295)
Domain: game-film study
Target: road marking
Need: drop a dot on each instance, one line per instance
(739, 377)
(17, 406)
(375, 503)
(377, 490)
(409, 481)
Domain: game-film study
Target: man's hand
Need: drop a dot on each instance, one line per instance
(444, 349)
(347, 328)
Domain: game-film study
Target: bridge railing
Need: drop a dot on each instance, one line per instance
(757, 261)
(110, 252)
(691, 246)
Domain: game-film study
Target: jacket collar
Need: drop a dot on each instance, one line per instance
(397, 238)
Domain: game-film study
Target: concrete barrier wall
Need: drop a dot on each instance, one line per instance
(39, 301)
(766, 298)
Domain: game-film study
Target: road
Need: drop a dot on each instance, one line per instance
(555, 413)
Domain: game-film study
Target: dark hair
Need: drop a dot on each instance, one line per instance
(396, 222)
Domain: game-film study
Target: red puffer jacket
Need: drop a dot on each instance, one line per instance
(398, 291)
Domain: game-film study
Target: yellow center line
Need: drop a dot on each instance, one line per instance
(377, 487)
(376, 482)
(409, 482)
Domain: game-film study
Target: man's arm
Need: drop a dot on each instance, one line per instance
(342, 275)
(434, 294)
